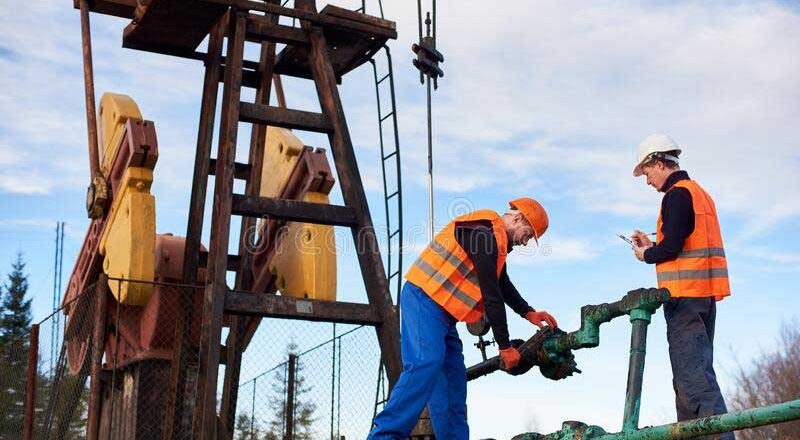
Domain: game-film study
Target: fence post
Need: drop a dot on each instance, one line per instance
(30, 383)
(98, 344)
(290, 398)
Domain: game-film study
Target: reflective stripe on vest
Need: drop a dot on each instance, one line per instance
(701, 269)
(692, 274)
(445, 272)
(446, 283)
(703, 252)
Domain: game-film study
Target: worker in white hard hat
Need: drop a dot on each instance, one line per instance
(690, 262)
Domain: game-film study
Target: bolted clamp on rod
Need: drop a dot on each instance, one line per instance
(428, 58)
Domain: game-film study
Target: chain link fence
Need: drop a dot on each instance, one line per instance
(58, 393)
(298, 379)
(315, 380)
(13, 364)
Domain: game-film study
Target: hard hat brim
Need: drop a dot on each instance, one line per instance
(637, 170)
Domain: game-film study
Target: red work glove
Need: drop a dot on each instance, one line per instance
(510, 357)
(537, 318)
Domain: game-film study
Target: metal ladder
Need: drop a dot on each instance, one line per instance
(392, 192)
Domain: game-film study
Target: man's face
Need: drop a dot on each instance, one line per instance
(520, 231)
(656, 174)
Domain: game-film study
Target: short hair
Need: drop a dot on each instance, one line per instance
(668, 158)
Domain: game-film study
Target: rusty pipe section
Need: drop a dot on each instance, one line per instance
(88, 80)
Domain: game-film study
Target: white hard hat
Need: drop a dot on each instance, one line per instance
(656, 143)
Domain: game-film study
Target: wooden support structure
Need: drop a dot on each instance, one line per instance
(184, 355)
(30, 383)
(205, 414)
(292, 210)
(306, 309)
(244, 276)
(98, 345)
(291, 385)
(326, 45)
(219, 300)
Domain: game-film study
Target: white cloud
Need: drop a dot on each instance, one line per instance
(32, 223)
(555, 249)
(552, 98)
(771, 255)
(42, 105)
(24, 181)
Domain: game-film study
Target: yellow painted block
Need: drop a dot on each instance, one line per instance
(129, 240)
(305, 261)
(115, 110)
(281, 152)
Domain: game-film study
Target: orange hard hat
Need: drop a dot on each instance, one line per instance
(534, 213)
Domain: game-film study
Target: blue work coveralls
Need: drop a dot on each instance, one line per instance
(433, 373)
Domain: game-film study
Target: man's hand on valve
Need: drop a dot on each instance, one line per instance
(540, 318)
(510, 356)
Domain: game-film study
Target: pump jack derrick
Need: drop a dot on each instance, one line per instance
(218, 298)
(327, 45)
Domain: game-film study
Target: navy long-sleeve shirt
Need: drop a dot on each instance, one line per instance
(677, 217)
(477, 239)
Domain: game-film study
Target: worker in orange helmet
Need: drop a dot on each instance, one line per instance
(460, 276)
(690, 262)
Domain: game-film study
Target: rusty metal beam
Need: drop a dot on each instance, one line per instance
(205, 415)
(244, 274)
(241, 171)
(290, 391)
(98, 345)
(260, 29)
(88, 82)
(183, 354)
(234, 261)
(365, 24)
(293, 210)
(283, 117)
(30, 383)
(117, 8)
(274, 306)
(369, 254)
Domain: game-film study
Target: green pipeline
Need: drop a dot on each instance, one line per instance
(749, 418)
(594, 315)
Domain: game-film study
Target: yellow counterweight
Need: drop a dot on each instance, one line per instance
(305, 261)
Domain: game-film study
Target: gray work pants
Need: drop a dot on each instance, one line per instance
(690, 334)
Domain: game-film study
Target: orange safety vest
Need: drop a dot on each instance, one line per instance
(445, 272)
(700, 269)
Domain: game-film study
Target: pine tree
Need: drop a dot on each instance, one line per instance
(304, 409)
(247, 427)
(15, 321)
(15, 315)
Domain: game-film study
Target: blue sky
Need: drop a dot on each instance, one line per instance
(546, 99)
